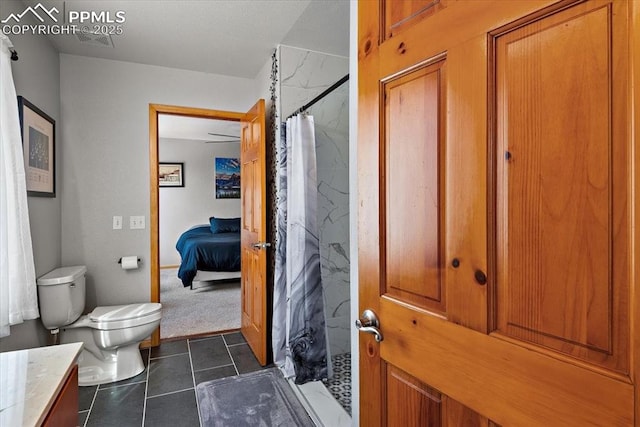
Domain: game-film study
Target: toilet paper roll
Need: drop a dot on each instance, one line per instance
(129, 262)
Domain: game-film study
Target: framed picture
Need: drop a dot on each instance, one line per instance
(38, 144)
(171, 174)
(227, 178)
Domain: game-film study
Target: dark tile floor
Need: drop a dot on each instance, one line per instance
(164, 394)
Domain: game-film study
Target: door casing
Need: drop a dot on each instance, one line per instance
(154, 221)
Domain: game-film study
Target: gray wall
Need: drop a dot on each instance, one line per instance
(105, 149)
(37, 78)
(184, 207)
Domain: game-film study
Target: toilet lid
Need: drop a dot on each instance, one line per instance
(115, 313)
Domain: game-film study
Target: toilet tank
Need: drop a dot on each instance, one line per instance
(61, 295)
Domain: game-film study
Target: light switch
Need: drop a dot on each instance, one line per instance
(136, 222)
(117, 222)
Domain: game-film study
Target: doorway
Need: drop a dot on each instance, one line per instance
(155, 111)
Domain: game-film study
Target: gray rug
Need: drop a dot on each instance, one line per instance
(213, 307)
(261, 398)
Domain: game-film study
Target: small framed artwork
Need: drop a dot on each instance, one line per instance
(227, 178)
(38, 144)
(171, 174)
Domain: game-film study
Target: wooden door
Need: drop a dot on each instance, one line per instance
(498, 176)
(254, 231)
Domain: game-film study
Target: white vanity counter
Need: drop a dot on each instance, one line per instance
(31, 380)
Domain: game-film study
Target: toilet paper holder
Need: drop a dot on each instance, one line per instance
(120, 260)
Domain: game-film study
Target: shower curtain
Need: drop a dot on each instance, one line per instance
(299, 328)
(18, 292)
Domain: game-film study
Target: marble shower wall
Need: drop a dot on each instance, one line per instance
(303, 75)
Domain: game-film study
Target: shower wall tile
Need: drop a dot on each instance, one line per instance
(311, 70)
(339, 335)
(331, 150)
(304, 75)
(332, 112)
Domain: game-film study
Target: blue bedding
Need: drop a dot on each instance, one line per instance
(202, 250)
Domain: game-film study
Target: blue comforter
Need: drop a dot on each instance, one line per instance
(202, 250)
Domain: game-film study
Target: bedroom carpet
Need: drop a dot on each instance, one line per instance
(262, 398)
(211, 307)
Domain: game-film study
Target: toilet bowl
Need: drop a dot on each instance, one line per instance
(111, 334)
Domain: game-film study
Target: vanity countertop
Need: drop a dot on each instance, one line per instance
(30, 381)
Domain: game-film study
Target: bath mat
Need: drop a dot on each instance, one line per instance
(261, 398)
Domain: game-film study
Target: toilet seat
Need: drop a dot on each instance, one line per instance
(119, 316)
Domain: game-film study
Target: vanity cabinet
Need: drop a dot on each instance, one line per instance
(39, 386)
(64, 411)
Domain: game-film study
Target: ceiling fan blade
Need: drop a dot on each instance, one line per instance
(209, 142)
(222, 134)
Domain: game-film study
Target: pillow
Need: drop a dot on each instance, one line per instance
(224, 225)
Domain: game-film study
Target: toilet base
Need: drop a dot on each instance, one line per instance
(123, 363)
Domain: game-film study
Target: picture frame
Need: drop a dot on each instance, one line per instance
(38, 131)
(227, 178)
(171, 174)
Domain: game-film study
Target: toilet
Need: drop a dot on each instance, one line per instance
(111, 335)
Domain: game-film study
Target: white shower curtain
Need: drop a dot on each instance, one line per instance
(18, 292)
(299, 327)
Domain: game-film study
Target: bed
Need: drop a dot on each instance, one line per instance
(210, 251)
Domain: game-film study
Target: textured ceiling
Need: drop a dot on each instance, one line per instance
(196, 129)
(229, 37)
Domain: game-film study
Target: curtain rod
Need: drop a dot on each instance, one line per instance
(330, 89)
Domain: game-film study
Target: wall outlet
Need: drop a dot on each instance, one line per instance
(136, 222)
(117, 222)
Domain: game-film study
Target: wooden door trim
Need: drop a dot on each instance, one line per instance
(634, 124)
(368, 156)
(154, 215)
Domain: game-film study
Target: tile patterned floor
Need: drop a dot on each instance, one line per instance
(164, 394)
(340, 384)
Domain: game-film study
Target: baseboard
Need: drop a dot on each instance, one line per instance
(202, 335)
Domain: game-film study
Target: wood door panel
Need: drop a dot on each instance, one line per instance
(413, 204)
(555, 202)
(257, 289)
(247, 290)
(403, 14)
(254, 263)
(247, 174)
(518, 387)
(455, 415)
(410, 402)
(256, 201)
